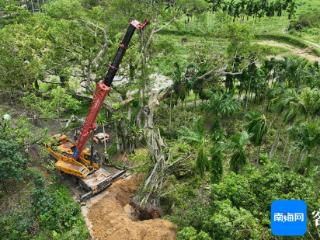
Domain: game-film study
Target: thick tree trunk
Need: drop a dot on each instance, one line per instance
(159, 155)
(274, 146)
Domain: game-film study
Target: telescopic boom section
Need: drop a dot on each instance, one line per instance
(103, 87)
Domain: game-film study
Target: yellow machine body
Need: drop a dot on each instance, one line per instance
(92, 176)
(60, 148)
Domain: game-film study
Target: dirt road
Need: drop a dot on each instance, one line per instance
(304, 53)
(109, 216)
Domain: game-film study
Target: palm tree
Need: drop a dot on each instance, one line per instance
(291, 9)
(180, 87)
(290, 104)
(311, 100)
(238, 145)
(197, 136)
(294, 70)
(307, 134)
(202, 162)
(216, 166)
(223, 104)
(257, 128)
(307, 137)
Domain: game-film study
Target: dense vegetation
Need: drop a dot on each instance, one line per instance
(239, 120)
(43, 207)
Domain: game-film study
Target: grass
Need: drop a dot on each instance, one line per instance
(311, 35)
(289, 40)
(269, 50)
(208, 26)
(176, 48)
(278, 26)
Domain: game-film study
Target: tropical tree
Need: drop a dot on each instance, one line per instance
(223, 104)
(216, 166)
(254, 9)
(257, 128)
(311, 100)
(238, 145)
(307, 134)
(202, 162)
(12, 162)
(306, 141)
(293, 104)
(180, 86)
(197, 136)
(290, 104)
(58, 102)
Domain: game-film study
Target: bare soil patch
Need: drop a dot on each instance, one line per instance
(109, 215)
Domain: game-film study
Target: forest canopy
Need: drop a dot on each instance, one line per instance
(216, 103)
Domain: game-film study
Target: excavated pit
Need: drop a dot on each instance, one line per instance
(112, 215)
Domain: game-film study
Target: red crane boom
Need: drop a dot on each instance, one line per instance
(103, 88)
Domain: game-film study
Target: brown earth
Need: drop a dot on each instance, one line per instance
(109, 216)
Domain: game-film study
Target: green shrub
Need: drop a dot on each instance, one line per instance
(58, 103)
(16, 225)
(189, 233)
(235, 188)
(12, 161)
(56, 212)
(193, 214)
(141, 159)
(239, 205)
(229, 222)
(53, 214)
(306, 20)
(55, 208)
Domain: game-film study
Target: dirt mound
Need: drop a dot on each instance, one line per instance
(109, 216)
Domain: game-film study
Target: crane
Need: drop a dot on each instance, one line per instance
(74, 158)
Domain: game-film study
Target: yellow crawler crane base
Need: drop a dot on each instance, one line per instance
(92, 177)
(60, 148)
